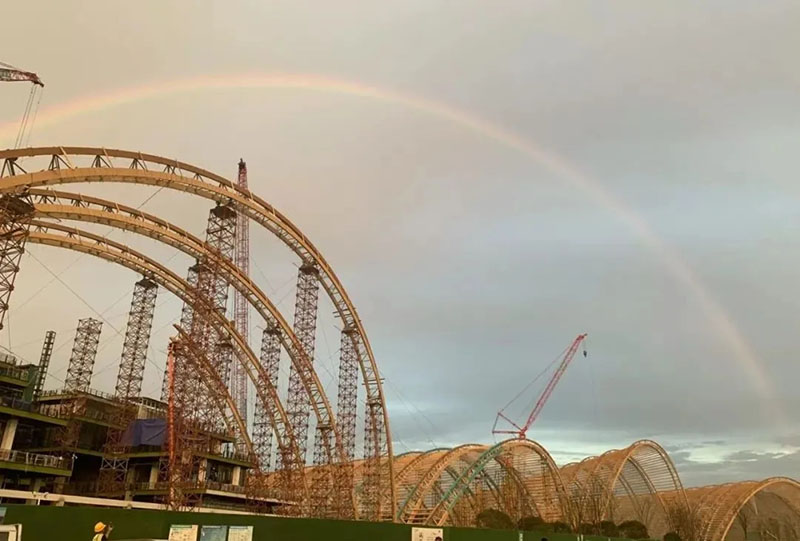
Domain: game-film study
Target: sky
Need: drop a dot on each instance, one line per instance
(488, 180)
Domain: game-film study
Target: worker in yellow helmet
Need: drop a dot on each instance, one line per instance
(102, 531)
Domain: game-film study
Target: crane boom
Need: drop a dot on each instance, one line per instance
(9, 73)
(521, 431)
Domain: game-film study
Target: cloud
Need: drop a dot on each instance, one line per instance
(471, 265)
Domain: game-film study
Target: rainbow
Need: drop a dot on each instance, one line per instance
(720, 321)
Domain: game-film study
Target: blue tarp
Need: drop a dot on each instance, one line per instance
(145, 432)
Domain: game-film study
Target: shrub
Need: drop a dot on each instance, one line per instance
(633, 529)
(494, 519)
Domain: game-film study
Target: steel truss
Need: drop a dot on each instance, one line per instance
(114, 465)
(79, 376)
(262, 428)
(66, 165)
(241, 310)
(16, 212)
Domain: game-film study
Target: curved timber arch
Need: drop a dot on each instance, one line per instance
(719, 506)
(67, 206)
(89, 243)
(543, 479)
(412, 508)
(180, 176)
(406, 466)
(639, 482)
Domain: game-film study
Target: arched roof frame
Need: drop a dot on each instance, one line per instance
(439, 515)
(606, 472)
(410, 507)
(719, 505)
(190, 179)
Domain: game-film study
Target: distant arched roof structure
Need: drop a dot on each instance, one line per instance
(639, 482)
(731, 511)
(451, 486)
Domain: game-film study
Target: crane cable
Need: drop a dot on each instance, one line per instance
(26, 116)
(35, 113)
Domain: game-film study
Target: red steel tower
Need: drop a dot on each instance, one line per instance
(240, 306)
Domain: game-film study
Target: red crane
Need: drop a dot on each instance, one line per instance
(521, 431)
(9, 73)
(240, 305)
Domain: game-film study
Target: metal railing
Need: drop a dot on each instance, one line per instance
(14, 372)
(35, 459)
(18, 404)
(8, 359)
(68, 393)
(197, 485)
(31, 407)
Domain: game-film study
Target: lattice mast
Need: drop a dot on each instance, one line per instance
(84, 351)
(346, 410)
(16, 212)
(262, 428)
(79, 376)
(521, 431)
(189, 394)
(114, 466)
(305, 327)
(44, 363)
(241, 308)
(137, 340)
(220, 238)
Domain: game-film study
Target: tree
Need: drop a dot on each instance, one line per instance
(685, 521)
(633, 529)
(494, 519)
(746, 518)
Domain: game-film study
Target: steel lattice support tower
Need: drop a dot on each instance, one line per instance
(84, 350)
(262, 428)
(16, 212)
(221, 238)
(346, 412)
(305, 327)
(137, 340)
(348, 392)
(44, 362)
(114, 466)
(241, 308)
(194, 412)
(187, 314)
(79, 376)
(375, 446)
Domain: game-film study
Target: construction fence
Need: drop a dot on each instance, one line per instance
(53, 523)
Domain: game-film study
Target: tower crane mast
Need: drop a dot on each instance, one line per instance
(521, 431)
(241, 308)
